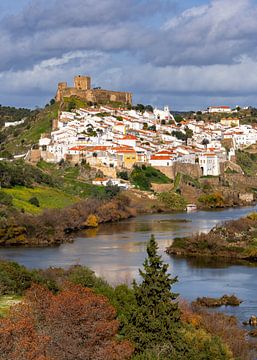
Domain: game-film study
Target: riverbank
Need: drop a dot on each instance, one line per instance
(57, 226)
(234, 239)
(206, 333)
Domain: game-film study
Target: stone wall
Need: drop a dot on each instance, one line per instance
(229, 165)
(166, 170)
(82, 89)
(192, 170)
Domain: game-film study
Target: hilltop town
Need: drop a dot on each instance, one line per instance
(204, 156)
(115, 139)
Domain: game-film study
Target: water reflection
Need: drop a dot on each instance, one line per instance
(116, 251)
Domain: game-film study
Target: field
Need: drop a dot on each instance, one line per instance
(49, 198)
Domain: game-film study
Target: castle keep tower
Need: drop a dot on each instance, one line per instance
(82, 82)
(82, 89)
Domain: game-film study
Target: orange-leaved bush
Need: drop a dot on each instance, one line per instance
(74, 324)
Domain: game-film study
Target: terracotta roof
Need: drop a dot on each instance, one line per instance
(155, 157)
(78, 148)
(129, 137)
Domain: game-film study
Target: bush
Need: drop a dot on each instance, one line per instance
(173, 200)
(252, 216)
(5, 199)
(213, 200)
(34, 201)
(92, 221)
(15, 278)
(123, 175)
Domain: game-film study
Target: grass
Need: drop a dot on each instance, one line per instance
(6, 302)
(29, 135)
(70, 182)
(49, 198)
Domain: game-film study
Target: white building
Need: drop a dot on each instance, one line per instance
(219, 109)
(163, 114)
(209, 163)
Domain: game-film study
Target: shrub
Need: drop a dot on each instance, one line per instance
(173, 201)
(34, 201)
(76, 322)
(92, 221)
(123, 175)
(252, 216)
(5, 199)
(213, 200)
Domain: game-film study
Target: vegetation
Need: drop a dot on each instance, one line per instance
(12, 114)
(35, 200)
(52, 326)
(23, 174)
(173, 201)
(225, 300)
(213, 200)
(247, 161)
(143, 176)
(234, 239)
(156, 317)
(20, 139)
(61, 307)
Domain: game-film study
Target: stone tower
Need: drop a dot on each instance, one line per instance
(61, 86)
(82, 82)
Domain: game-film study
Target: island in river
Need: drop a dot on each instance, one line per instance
(234, 239)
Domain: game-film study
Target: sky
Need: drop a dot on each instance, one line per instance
(188, 54)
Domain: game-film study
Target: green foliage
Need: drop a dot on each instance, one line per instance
(34, 201)
(247, 161)
(49, 198)
(123, 175)
(5, 199)
(143, 176)
(178, 118)
(213, 200)
(11, 114)
(15, 278)
(20, 173)
(173, 200)
(179, 135)
(189, 180)
(156, 317)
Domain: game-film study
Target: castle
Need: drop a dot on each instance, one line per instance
(82, 89)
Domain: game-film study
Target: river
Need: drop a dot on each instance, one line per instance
(116, 251)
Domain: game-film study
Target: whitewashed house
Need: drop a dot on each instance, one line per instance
(209, 163)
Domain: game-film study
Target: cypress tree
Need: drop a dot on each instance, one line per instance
(156, 318)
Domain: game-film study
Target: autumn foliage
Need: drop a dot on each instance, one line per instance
(72, 325)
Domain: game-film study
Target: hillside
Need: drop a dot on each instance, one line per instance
(11, 114)
(19, 139)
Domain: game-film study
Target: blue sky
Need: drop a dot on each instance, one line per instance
(187, 54)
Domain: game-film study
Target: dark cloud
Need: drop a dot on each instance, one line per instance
(141, 45)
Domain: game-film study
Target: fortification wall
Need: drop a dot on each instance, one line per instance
(82, 89)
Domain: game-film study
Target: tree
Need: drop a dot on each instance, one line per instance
(178, 118)
(157, 317)
(75, 324)
(205, 142)
(149, 108)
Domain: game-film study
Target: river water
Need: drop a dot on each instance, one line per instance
(116, 251)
